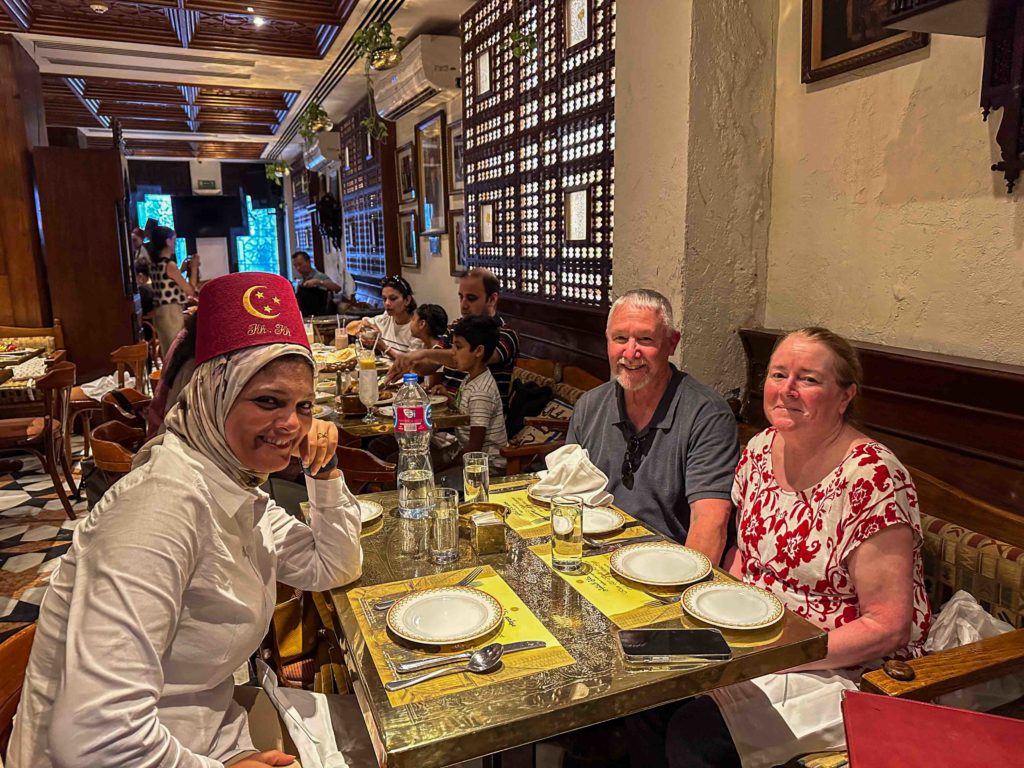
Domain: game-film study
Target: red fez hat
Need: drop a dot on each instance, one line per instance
(247, 309)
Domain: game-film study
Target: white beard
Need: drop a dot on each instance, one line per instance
(633, 386)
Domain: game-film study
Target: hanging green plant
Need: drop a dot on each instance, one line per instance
(312, 121)
(521, 43)
(277, 171)
(379, 51)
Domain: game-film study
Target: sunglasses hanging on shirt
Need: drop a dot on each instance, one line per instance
(631, 461)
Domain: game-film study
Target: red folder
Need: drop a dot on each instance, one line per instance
(882, 731)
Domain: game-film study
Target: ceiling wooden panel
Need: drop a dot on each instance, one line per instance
(293, 28)
(63, 107)
(170, 107)
(212, 150)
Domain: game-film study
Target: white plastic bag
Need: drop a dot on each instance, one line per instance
(961, 621)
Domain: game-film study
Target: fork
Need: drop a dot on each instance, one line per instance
(663, 599)
(465, 581)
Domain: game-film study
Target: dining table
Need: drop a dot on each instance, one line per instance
(580, 679)
(356, 427)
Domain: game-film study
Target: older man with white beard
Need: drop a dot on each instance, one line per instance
(666, 442)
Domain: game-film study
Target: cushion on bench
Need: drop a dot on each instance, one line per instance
(958, 558)
(530, 435)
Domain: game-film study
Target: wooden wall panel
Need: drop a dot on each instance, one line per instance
(88, 264)
(24, 299)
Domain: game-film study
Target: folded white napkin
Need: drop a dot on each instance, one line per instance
(572, 473)
(97, 388)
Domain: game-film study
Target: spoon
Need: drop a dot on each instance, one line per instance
(483, 660)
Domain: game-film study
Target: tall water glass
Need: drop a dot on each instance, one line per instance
(444, 526)
(566, 533)
(476, 478)
(369, 391)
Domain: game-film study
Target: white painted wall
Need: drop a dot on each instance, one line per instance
(432, 282)
(886, 223)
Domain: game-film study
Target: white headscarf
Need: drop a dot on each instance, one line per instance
(199, 416)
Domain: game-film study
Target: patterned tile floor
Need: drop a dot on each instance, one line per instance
(34, 533)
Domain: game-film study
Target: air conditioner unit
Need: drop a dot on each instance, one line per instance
(324, 154)
(431, 67)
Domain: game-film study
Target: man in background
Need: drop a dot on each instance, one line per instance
(313, 288)
(479, 290)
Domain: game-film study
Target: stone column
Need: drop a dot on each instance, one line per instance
(693, 121)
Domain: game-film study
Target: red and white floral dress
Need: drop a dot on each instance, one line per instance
(797, 545)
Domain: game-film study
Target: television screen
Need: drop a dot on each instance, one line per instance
(214, 216)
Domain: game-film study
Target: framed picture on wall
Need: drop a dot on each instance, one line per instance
(458, 241)
(408, 239)
(842, 35)
(431, 182)
(406, 173)
(456, 158)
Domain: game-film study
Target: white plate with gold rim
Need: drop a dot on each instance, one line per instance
(389, 410)
(732, 605)
(598, 520)
(369, 511)
(660, 563)
(445, 615)
(537, 497)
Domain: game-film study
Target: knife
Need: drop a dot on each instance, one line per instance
(439, 661)
(621, 544)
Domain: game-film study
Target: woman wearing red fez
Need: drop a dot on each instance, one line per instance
(169, 584)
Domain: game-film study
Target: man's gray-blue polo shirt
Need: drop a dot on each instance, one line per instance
(689, 450)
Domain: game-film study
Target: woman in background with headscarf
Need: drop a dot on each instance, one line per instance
(169, 585)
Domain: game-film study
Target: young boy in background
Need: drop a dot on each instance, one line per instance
(474, 339)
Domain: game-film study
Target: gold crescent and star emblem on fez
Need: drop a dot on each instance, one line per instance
(255, 299)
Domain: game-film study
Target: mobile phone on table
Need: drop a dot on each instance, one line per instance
(665, 646)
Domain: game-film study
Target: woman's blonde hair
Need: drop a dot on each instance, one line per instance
(845, 360)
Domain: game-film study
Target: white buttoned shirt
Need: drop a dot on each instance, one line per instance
(169, 586)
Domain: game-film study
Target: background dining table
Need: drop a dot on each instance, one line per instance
(491, 718)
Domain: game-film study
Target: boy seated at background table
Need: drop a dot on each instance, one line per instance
(474, 339)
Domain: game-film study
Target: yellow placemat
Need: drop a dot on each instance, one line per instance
(625, 605)
(531, 520)
(520, 624)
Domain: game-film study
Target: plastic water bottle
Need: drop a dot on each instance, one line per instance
(413, 427)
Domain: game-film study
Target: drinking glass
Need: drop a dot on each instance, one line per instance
(476, 479)
(369, 392)
(444, 526)
(566, 533)
(340, 338)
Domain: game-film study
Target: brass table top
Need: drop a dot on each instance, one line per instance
(501, 716)
(354, 425)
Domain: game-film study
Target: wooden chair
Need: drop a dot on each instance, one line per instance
(114, 447)
(364, 472)
(14, 655)
(43, 436)
(129, 406)
(127, 359)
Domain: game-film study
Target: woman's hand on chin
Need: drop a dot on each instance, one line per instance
(271, 757)
(316, 450)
